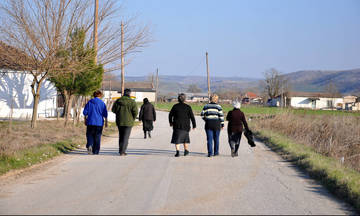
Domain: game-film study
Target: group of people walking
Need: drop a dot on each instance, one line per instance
(180, 117)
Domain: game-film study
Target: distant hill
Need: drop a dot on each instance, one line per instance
(175, 84)
(347, 81)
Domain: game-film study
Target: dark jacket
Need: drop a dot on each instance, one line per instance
(236, 120)
(126, 111)
(180, 116)
(147, 112)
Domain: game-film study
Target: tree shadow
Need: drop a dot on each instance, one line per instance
(15, 90)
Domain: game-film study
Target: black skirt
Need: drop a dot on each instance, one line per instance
(148, 125)
(180, 136)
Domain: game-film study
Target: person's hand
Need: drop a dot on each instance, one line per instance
(171, 124)
(106, 124)
(194, 128)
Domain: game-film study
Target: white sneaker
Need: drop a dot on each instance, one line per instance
(89, 150)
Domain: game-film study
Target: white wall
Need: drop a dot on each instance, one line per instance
(322, 103)
(15, 91)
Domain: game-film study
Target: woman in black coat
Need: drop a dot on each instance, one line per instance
(147, 115)
(179, 118)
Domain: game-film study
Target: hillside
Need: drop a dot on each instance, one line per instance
(347, 81)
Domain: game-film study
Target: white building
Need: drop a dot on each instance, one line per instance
(310, 100)
(139, 91)
(16, 96)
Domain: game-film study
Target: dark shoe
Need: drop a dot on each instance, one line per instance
(236, 154)
(232, 153)
(186, 152)
(144, 135)
(216, 154)
(123, 154)
(149, 134)
(209, 155)
(177, 154)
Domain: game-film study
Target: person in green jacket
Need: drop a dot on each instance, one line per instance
(126, 111)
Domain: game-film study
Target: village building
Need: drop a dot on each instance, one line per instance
(251, 98)
(310, 100)
(16, 98)
(351, 103)
(139, 91)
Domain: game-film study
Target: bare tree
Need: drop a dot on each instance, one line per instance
(276, 85)
(39, 28)
(333, 91)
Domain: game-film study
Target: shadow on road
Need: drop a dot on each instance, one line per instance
(114, 152)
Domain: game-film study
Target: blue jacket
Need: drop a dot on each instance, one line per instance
(96, 111)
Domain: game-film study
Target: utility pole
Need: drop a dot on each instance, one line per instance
(122, 60)
(157, 85)
(96, 29)
(208, 77)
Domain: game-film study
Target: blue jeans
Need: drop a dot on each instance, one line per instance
(93, 136)
(212, 135)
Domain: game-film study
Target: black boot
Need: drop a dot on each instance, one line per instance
(186, 152)
(177, 154)
(149, 134)
(232, 153)
(144, 134)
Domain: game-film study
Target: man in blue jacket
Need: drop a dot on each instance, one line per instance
(94, 112)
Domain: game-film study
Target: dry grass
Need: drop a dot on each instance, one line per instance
(336, 136)
(23, 137)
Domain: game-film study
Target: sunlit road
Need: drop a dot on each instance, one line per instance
(150, 180)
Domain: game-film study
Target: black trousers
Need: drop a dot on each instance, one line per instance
(234, 141)
(93, 136)
(124, 134)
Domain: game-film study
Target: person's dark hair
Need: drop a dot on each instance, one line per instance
(127, 92)
(146, 100)
(181, 97)
(97, 93)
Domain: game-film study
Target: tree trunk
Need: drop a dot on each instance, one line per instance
(35, 108)
(68, 105)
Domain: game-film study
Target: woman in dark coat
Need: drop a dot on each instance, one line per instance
(147, 116)
(179, 118)
(237, 122)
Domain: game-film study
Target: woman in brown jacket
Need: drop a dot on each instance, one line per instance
(237, 122)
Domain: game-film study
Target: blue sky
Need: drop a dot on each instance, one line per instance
(246, 37)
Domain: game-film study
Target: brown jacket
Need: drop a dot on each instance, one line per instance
(236, 120)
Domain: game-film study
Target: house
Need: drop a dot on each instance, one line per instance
(311, 100)
(139, 91)
(16, 99)
(350, 103)
(251, 97)
(197, 97)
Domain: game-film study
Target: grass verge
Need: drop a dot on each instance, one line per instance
(33, 154)
(342, 181)
(36, 154)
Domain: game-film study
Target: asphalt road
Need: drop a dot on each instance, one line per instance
(150, 180)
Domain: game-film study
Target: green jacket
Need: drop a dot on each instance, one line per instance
(125, 110)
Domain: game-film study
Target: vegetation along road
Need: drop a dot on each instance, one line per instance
(150, 180)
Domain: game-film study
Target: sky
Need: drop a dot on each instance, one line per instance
(244, 38)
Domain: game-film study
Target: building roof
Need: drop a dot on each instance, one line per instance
(311, 94)
(135, 87)
(251, 95)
